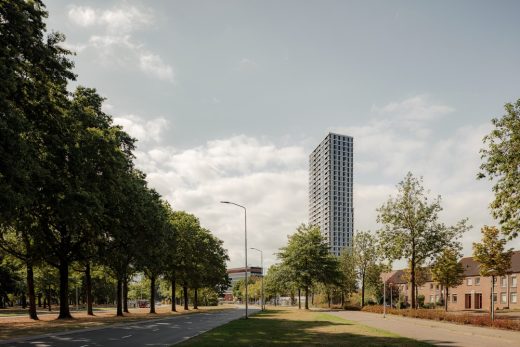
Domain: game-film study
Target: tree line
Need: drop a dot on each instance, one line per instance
(70, 194)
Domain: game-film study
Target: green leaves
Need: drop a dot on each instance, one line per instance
(491, 255)
(501, 162)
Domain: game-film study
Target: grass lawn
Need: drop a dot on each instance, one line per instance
(12, 327)
(298, 327)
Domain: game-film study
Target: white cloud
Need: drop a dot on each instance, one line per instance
(154, 65)
(144, 130)
(119, 19)
(83, 15)
(114, 42)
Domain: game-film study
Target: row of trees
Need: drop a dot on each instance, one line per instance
(70, 194)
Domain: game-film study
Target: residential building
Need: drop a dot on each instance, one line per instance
(331, 190)
(475, 291)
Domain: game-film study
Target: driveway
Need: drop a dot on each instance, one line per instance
(157, 332)
(434, 332)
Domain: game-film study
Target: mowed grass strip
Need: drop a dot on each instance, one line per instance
(297, 327)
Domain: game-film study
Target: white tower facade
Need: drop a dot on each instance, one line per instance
(331, 190)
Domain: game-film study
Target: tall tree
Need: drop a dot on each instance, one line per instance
(448, 272)
(411, 226)
(366, 254)
(494, 260)
(34, 71)
(307, 257)
(501, 160)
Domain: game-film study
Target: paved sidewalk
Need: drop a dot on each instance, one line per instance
(434, 332)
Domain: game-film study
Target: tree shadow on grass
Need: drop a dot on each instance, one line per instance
(274, 332)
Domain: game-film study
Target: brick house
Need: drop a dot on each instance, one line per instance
(473, 294)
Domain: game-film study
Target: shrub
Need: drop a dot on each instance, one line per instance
(460, 318)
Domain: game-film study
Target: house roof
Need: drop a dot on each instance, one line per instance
(471, 266)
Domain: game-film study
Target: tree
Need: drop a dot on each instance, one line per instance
(366, 254)
(422, 274)
(347, 268)
(448, 272)
(411, 227)
(34, 71)
(501, 160)
(308, 259)
(493, 259)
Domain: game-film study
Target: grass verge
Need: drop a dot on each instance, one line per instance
(297, 327)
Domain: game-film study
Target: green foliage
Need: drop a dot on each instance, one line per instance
(347, 268)
(501, 160)
(366, 254)
(411, 227)
(307, 259)
(493, 258)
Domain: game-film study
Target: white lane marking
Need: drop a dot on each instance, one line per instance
(127, 336)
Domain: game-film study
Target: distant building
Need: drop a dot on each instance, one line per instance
(475, 291)
(331, 190)
(237, 274)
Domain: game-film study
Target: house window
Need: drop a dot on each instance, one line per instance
(513, 281)
(504, 281)
(503, 298)
(469, 281)
(431, 298)
(431, 285)
(494, 297)
(513, 298)
(477, 281)
(454, 298)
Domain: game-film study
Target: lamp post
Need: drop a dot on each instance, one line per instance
(262, 265)
(245, 242)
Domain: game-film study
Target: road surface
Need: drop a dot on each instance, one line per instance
(157, 332)
(434, 332)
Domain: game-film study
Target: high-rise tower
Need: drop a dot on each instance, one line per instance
(330, 190)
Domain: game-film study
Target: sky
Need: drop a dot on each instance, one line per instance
(228, 98)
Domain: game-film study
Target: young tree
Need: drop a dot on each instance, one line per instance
(448, 272)
(366, 254)
(422, 274)
(307, 257)
(492, 257)
(501, 160)
(411, 226)
(348, 279)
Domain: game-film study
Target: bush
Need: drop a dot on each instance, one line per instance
(460, 318)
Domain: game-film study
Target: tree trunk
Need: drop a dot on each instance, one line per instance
(306, 298)
(446, 299)
(174, 308)
(299, 299)
(125, 294)
(342, 299)
(492, 301)
(196, 299)
(412, 277)
(49, 298)
(152, 294)
(88, 285)
(328, 298)
(64, 290)
(30, 285)
(40, 300)
(363, 289)
(119, 298)
(185, 294)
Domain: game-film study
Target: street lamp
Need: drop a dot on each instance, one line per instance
(245, 242)
(262, 265)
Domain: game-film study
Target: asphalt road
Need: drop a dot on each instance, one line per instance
(157, 332)
(434, 332)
